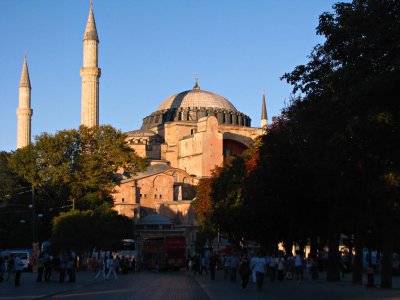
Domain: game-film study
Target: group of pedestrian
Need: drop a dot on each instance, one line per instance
(110, 266)
(11, 265)
(275, 267)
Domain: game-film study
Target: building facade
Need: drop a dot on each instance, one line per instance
(188, 135)
(184, 139)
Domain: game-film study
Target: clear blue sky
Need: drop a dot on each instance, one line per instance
(148, 51)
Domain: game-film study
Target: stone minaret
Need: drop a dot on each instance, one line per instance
(24, 111)
(264, 117)
(90, 74)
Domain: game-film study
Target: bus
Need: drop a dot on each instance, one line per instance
(127, 248)
(163, 253)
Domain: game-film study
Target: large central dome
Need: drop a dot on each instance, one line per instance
(196, 98)
(193, 105)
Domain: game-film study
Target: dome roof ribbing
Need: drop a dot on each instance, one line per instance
(196, 98)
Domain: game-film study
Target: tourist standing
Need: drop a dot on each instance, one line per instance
(280, 266)
(298, 266)
(272, 267)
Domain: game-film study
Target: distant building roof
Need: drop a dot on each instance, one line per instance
(155, 220)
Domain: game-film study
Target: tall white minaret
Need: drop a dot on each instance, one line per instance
(24, 111)
(264, 117)
(90, 74)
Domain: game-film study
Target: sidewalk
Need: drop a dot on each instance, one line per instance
(30, 289)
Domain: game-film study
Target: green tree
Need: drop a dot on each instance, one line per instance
(15, 215)
(76, 166)
(83, 231)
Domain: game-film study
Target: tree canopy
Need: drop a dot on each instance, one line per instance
(76, 166)
(330, 163)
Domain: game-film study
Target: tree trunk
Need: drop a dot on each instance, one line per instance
(387, 251)
(357, 265)
(333, 259)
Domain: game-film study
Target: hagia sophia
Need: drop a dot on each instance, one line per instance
(185, 137)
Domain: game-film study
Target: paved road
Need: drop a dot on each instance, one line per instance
(181, 285)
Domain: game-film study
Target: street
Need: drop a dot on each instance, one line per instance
(185, 286)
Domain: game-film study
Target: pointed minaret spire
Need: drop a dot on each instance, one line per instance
(90, 73)
(24, 111)
(196, 85)
(91, 31)
(264, 117)
(25, 81)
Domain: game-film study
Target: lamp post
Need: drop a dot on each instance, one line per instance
(34, 232)
(35, 244)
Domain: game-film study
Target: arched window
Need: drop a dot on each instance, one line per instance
(175, 177)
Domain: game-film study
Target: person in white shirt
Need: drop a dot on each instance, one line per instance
(18, 267)
(259, 267)
(298, 266)
(111, 267)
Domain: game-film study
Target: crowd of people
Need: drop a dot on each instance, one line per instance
(277, 267)
(64, 263)
(108, 265)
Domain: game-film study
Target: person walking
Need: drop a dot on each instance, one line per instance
(10, 265)
(48, 266)
(227, 265)
(244, 271)
(101, 269)
(234, 264)
(213, 265)
(260, 266)
(111, 267)
(18, 267)
(204, 264)
(40, 266)
(272, 267)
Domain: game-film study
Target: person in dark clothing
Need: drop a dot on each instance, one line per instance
(40, 266)
(212, 264)
(244, 271)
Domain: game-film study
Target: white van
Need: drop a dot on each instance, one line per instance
(24, 254)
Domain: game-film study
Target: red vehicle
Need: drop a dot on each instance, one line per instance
(164, 253)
